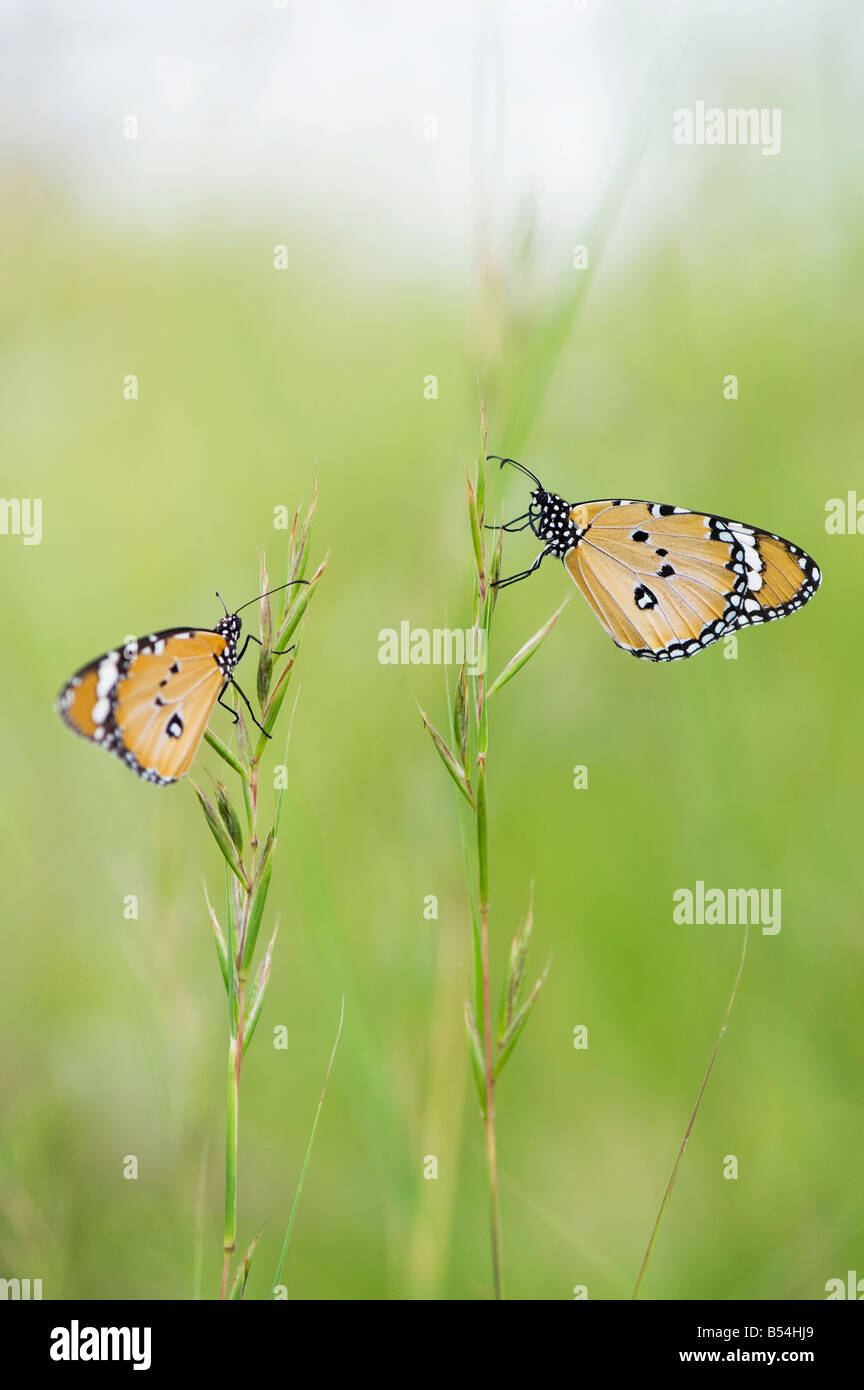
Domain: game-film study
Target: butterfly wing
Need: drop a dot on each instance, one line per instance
(149, 701)
(666, 582)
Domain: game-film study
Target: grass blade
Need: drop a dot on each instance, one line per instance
(448, 759)
(225, 753)
(238, 1288)
(260, 889)
(297, 1195)
(511, 1037)
(258, 990)
(671, 1183)
(220, 835)
(221, 948)
(478, 1066)
(525, 652)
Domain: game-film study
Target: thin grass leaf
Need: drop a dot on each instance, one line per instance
(495, 571)
(297, 1195)
(264, 623)
(475, 602)
(298, 546)
(265, 654)
(512, 1035)
(220, 835)
(478, 1065)
(271, 709)
(250, 811)
(221, 948)
(243, 743)
(225, 753)
(264, 675)
(229, 816)
(305, 530)
(296, 611)
(526, 652)
(259, 891)
(460, 717)
(274, 705)
(490, 593)
(238, 1288)
(689, 1130)
(290, 569)
(476, 533)
(258, 990)
(512, 991)
(481, 463)
(448, 759)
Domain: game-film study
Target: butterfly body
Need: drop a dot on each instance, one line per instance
(665, 581)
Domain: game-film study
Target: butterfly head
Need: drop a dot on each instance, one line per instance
(549, 515)
(229, 628)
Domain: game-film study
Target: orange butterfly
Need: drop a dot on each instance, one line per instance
(149, 701)
(666, 582)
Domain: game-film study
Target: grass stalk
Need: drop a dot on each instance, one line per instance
(467, 763)
(248, 867)
(689, 1130)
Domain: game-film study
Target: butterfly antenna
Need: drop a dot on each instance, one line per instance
(222, 601)
(522, 469)
(277, 590)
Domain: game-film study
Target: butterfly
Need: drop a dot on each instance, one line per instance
(666, 582)
(149, 701)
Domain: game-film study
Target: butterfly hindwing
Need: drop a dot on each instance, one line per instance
(666, 582)
(149, 701)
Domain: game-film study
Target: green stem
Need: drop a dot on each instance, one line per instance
(483, 885)
(483, 616)
(233, 1108)
(235, 1049)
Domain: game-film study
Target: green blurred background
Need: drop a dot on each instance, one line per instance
(740, 773)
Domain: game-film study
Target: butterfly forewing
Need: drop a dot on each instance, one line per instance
(78, 699)
(149, 701)
(666, 582)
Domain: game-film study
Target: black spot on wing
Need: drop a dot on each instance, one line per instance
(644, 598)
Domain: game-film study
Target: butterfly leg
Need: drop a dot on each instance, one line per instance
(233, 713)
(277, 651)
(512, 526)
(514, 578)
(249, 707)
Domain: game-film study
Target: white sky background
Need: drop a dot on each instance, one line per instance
(313, 113)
